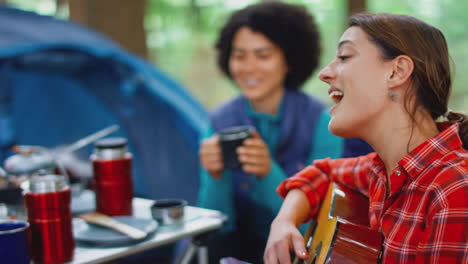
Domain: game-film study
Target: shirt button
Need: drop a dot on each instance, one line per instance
(398, 172)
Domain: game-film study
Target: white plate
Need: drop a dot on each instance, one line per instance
(95, 235)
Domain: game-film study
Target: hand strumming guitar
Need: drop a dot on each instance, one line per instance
(284, 235)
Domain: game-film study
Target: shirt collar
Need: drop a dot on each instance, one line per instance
(432, 149)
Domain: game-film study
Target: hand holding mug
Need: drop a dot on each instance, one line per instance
(211, 156)
(236, 147)
(255, 156)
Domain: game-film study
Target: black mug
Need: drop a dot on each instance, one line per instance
(230, 139)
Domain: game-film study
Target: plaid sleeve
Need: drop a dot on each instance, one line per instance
(445, 239)
(314, 179)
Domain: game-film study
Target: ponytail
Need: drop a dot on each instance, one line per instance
(462, 119)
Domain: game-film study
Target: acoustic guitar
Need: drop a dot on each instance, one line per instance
(341, 232)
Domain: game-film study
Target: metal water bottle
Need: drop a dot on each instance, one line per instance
(48, 199)
(112, 165)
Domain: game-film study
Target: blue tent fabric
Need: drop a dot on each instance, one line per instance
(60, 82)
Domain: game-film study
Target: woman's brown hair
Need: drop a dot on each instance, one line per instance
(398, 35)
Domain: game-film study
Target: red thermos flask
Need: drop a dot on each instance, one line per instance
(112, 165)
(47, 199)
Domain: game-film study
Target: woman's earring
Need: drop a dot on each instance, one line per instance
(392, 95)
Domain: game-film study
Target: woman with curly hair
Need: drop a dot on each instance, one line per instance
(269, 50)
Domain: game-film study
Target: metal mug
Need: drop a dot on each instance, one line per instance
(14, 242)
(168, 211)
(112, 165)
(48, 200)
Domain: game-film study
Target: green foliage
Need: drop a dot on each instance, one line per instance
(181, 39)
(185, 32)
(185, 48)
(181, 35)
(450, 17)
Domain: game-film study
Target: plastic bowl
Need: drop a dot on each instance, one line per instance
(168, 211)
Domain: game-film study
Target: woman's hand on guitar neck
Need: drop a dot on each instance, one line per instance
(284, 237)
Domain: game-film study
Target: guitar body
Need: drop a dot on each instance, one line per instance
(341, 233)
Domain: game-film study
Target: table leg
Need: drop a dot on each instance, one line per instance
(198, 245)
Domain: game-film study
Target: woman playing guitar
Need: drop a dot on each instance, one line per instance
(390, 81)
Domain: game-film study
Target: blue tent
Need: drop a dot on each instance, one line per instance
(60, 82)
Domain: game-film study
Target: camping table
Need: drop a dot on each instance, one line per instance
(198, 221)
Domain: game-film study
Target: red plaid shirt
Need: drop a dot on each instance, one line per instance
(424, 214)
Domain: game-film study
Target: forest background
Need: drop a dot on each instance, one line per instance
(178, 36)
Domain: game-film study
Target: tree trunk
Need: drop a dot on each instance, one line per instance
(355, 6)
(120, 20)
